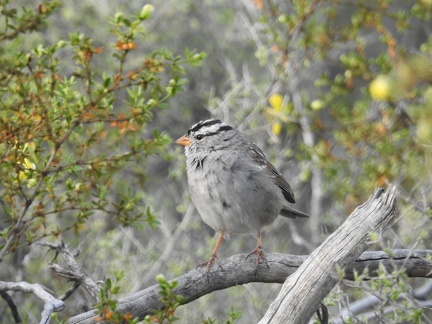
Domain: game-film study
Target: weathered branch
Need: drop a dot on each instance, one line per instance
(237, 271)
(303, 292)
(51, 305)
(14, 310)
(76, 272)
(350, 239)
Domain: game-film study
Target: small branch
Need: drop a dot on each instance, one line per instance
(21, 29)
(373, 315)
(237, 271)
(70, 291)
(29, 202)
(51, 305)
(12, 306)
(423, 292)
(419, 295)
(76, 272)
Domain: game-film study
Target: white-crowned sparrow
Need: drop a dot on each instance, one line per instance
(232, 184)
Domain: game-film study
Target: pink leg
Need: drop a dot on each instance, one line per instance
(258, 252)
(213, 257)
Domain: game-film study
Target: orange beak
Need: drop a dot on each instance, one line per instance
(183, 141)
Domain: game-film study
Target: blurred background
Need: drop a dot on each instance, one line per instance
(337, 94)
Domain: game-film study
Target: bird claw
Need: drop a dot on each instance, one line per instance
(259, 255)
(213, 259)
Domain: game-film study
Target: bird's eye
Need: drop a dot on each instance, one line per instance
(199, 137)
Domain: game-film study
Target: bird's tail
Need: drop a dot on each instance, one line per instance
(292, 213)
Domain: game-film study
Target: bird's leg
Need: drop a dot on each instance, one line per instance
(258, 252)
(213, 257)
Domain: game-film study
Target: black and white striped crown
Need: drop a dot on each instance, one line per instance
(209, 127)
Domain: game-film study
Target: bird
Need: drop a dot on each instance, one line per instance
(233, 185)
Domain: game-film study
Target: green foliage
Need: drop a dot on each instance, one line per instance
(107, 305)
(233, 316)
(359, 131)
(340, 90)
(392, 289)
(170, 300)
(16, 21)
(65, 138)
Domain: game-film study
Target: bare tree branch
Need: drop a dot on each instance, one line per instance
(423, 292)
(76, 272)
(303, 292)
(340, 250)
(70, 291)
(373, 315)
(238, 271)
(419, 296)
(12, 306)
(51, 305)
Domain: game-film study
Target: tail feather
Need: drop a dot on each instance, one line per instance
(292, 213)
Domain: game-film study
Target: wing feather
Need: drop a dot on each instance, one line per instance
(259, 155)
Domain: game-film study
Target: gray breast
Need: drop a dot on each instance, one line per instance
(231, 193)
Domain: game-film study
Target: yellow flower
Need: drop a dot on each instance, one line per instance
(276, 128)
(380, 88)
(28, 164)
(276, 101)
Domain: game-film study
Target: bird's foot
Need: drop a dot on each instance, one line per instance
(259, 255)
(213, 259)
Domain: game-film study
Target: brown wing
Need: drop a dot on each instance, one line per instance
(259, 155)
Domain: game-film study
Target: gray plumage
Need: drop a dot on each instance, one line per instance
(232, 184)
